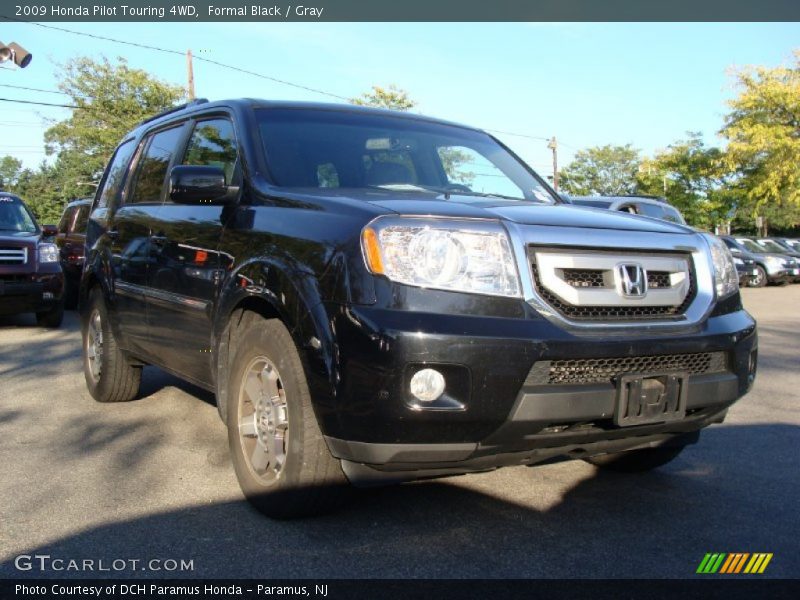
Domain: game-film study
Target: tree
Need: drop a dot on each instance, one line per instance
(10, 169)
(763, 132)
(602, 171)
(392, 97)
(111, 98)
(695, 176)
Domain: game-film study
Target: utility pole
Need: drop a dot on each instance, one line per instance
(189, 75)
(553, 145)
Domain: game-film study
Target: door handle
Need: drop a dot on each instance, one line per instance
(158, 240)
(113, 233)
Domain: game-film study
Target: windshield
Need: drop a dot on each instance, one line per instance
(342, 149)
(772, 246)
(14, 216)
(752, 246)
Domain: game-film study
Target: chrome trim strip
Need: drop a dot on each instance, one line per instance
(523, 236)
(160, 297)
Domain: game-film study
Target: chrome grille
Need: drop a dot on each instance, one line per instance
(13, 256)
(596, 295)
(604, 370)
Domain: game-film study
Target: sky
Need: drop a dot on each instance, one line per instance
(588, 84)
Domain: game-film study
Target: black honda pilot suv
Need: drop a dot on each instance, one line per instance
(378, 297)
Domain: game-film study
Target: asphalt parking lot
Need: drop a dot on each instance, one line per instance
(151, 479)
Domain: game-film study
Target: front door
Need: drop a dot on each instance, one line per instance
(187, 268)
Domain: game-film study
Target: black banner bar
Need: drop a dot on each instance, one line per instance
(703, 587)
(401, 10)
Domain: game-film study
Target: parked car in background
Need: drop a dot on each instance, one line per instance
(366, 313)
(645, 206)
(790, 243)
(70, 241)
(746, 269)
(30, 276)
(771, 245)
(771, 267)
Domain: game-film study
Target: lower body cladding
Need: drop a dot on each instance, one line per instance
(511, 398)
(26, 293)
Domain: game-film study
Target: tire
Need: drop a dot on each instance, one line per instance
(269, 406)
(51, 318)
(636, 461)
(759, 279)
(109, 375)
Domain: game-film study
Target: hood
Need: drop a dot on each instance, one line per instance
(420, 202)
(528, 213)
(18, 236)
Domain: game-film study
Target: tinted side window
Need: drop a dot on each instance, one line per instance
(80, 221)
(213, 143)
(651, 210)
(115, 174)
(151, 170)
(66, 219)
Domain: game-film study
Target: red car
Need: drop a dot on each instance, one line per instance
(31, 279)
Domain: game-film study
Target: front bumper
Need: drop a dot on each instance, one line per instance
(507, 418)
(783, 274)
(30, 293)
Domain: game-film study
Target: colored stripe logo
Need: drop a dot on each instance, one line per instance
(730, 563)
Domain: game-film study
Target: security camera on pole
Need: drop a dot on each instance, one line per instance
(16, 53)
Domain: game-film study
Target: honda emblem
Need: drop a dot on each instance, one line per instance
(632, 279)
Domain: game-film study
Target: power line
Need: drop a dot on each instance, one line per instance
(212, 62)
(231, 67)
(32, 89)
(523, 135)
(42, 103)
(180, 53)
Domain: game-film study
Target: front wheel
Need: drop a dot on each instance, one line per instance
(759, 279)
(281, 460)
(109, 375)
(636, 461)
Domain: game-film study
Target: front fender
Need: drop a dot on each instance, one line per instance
(293, 296)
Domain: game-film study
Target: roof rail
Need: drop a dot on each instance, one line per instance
(169, 111)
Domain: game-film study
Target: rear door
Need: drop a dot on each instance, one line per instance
(130, 231)
(187, 268)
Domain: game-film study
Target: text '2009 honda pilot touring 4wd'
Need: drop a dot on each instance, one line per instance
(377, 297)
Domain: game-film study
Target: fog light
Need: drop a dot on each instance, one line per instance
(427, 385)
(47, 296)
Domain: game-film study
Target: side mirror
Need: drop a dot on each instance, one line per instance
(49, 230)
(193, 184)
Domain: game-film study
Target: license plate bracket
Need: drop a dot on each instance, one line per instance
(644, 398)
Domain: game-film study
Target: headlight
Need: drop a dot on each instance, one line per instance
(456, 255)
(726, 280)
(774, 262)
(48, 253)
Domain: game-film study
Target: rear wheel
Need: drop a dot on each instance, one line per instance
(759, 279)
(109, 375)
(636, 461)
(51, 318)
(281, 460)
